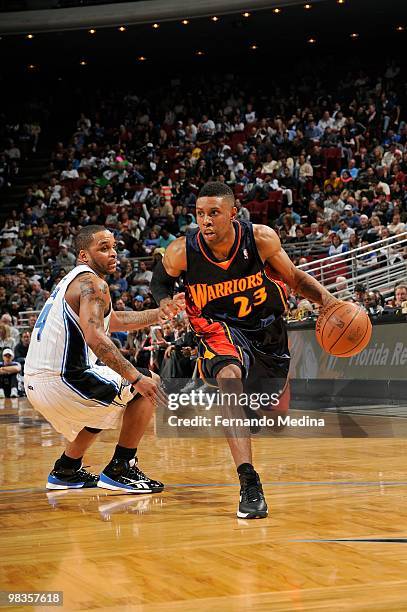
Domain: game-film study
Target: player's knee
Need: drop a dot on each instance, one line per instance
(229, 371)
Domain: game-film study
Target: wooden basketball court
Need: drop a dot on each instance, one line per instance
(335, 539)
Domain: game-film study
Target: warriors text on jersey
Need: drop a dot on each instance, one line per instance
(240, 291)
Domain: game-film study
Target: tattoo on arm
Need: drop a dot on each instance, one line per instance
(132, 321)
(107, 352)
(86, 285)
(93, 302)
(311, 289)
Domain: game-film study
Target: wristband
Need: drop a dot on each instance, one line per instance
(162, 284)
(137, 380)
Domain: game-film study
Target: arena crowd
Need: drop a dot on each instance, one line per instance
(327, 171)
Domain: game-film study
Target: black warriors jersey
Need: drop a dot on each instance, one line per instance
(240, 291)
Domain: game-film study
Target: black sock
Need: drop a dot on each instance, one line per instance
(67, 463)
(123, 453)
(245, 468)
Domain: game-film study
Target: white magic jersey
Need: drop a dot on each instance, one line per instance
(57, 344)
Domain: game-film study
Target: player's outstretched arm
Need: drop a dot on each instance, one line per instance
(165, 275)
(129, 321)
(270, 250)
(94, 300)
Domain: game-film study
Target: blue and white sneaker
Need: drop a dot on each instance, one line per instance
(63, 478)
(125, 476)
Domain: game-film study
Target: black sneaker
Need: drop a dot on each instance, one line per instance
(121, 475)
(66, 478)
(252, 503)
(156, 485)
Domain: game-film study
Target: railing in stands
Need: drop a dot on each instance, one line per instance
(379, 265)
(24, 319)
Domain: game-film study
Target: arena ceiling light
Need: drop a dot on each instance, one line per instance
(340, 1)
(200, 53)
(214, 18)
(83, 63)
(246, 14)
(122, 29)
(354, 35)
(156, 26)
(307, 7)
(253, 47)
(31, 66)
(185, 22)
(312, 40)
(30, 36)
(142, 58)
(92, 31)
(400, 28)
(277, 11)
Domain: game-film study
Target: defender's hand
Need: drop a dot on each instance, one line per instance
(150, 388)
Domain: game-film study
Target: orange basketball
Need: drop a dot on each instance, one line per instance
(343, 329)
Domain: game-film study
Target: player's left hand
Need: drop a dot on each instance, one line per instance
(329, 302)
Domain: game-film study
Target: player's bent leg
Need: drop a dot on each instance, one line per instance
(123, 473)
(68, 472)
(252, 503)
(229, 380)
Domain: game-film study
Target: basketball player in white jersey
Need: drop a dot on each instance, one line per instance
(79, 397)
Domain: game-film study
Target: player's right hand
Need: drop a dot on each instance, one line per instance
(150, 388)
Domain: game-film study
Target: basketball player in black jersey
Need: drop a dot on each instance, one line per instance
(235, 275)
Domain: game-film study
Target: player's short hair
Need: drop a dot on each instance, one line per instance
(84, 237)
(215, 189)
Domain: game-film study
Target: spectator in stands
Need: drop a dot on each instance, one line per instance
(299, 235)
(367, 259)
(375, 229)
(304, 310)
(21, 349)
(6, 319)
(117, 283)
(65, 259)
(363, 228)
(337, 247)
(315, 235)
(335, 203)
(289, 226)
(304, 171)
(400, 296)
(140, 280)
(8, 374)
(343, 292)
(354, 242)
(6, 338)
(372, 304)
(345, 232)
(359, 294)
(177, 357)
(165, 239)
(327, 232)
(352, 219)
(242, 212)
(396, 226)
(334, 181)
